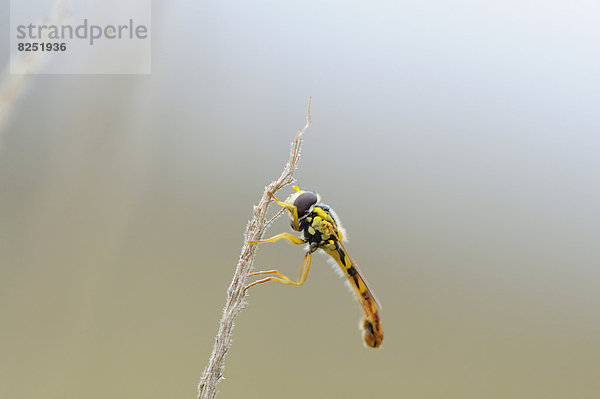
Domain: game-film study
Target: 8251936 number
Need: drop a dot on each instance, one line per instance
(42, 46)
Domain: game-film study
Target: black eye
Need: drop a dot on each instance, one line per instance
(304, 201)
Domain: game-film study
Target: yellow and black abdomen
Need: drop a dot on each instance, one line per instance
(320, 230)
(371, 324)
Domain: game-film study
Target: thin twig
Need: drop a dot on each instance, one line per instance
(207, 388)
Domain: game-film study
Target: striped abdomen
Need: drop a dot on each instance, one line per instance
(371, 324)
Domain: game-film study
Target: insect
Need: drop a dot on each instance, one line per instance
(321, 229)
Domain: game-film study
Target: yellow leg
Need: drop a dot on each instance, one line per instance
(293, 210)
(284, 279)
(277, 272)
(286, 236)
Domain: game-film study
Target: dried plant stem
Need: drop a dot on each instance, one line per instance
(235, 293)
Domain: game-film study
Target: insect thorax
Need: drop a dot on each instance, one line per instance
(320, 228)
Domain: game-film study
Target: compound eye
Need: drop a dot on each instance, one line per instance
(304, 201)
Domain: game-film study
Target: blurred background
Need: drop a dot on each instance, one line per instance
(458, 141)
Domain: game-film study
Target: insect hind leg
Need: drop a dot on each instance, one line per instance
(284, 279)
(283, 236)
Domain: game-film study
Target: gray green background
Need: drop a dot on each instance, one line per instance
(458, 141)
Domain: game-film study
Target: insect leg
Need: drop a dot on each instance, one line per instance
(286, 236)
(277, 272)
(285, 280)
(293, 210)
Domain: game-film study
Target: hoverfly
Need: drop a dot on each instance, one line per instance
(321, 229)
